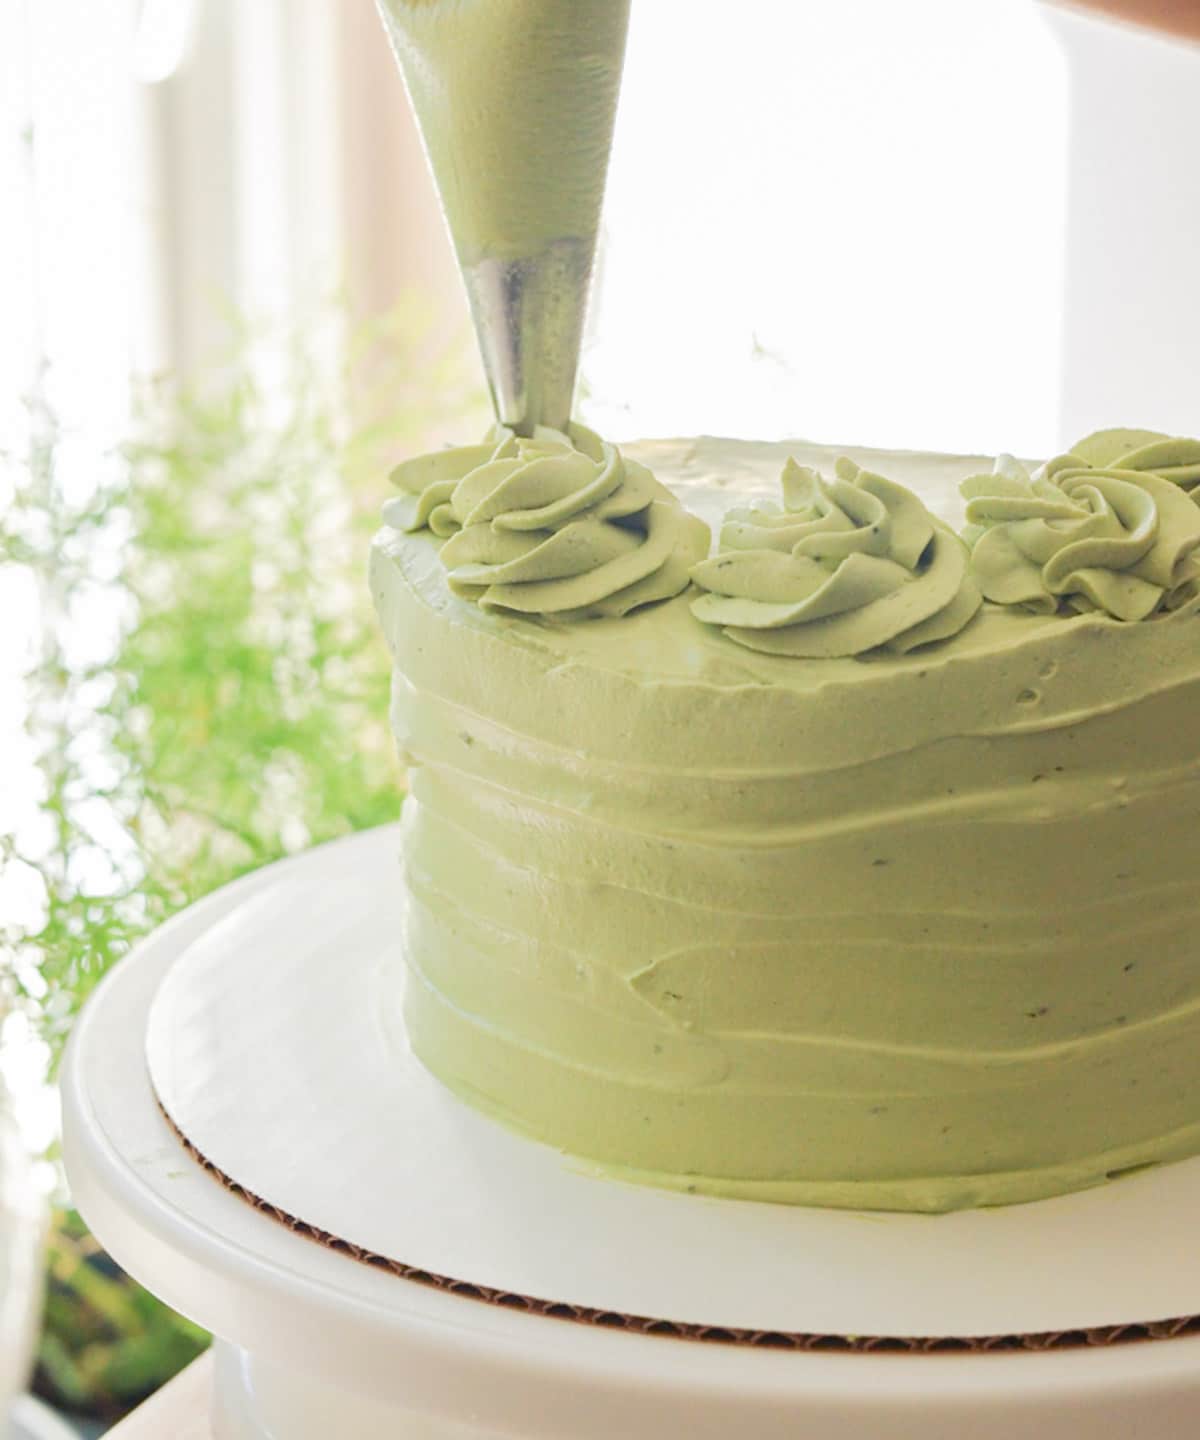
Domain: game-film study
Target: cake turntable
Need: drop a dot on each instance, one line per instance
(246, 1132)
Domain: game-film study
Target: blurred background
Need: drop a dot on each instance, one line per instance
(228, 306)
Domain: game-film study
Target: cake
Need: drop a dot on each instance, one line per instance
(849, 864)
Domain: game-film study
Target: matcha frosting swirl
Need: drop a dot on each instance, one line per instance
(1121, 540)
(552, 524)
(1174, 458)
(846, 566)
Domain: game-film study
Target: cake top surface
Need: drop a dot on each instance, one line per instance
(665, 642)
(711, 474)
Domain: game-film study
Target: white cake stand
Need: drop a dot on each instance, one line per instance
(253, 1021)
(31, 1420)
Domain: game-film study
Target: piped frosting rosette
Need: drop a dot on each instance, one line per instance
(1173, 457)
(846, 566)
(1124, 541)
(551, 524)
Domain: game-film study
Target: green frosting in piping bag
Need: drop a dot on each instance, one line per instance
(516, 100)
(551, 525)
(847, 566)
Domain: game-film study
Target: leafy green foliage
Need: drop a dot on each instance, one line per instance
(211, 692)
(208, 694)
(107, 1343)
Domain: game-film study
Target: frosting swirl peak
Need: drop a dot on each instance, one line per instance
(551, 524)
(1122, 541)
(847, 566)
(1173, 457)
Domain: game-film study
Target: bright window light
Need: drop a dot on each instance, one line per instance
(837, 220)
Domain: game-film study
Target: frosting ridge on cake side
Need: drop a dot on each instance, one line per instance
(909, 930)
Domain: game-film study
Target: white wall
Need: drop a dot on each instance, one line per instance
(841, 220)
(1132, 287)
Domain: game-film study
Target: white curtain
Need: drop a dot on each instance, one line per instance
(283, 168)
(173, 168)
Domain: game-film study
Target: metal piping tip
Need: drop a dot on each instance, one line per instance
(528, 317)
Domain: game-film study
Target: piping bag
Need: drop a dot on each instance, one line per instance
(516, 101)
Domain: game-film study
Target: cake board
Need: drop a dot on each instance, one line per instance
(261, 1022)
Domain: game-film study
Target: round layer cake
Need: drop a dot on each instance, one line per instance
(889, 930)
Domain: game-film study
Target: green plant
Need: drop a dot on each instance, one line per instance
(106, 1343)
(209, 695)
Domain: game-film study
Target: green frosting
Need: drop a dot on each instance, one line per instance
(915, 933)
(1175, 459)
(1124, 541)
(516, 100)
(550, 525)
(845, 567)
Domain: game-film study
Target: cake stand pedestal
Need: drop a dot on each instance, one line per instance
(252, 1021)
